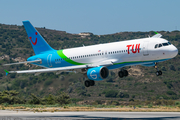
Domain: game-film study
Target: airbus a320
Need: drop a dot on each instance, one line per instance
(95, 61)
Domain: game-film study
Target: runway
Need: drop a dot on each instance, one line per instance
(25, 115)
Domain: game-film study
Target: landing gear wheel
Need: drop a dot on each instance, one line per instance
(121, 74)
(87, 83)
(92, 83)
(158, 72)
(125, 73)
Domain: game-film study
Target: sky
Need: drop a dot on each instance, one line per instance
(96, 16)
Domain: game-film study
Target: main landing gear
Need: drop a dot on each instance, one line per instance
(158, 72)
(123, 73)
(88, 83)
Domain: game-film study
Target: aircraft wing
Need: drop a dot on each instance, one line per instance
(102, 63)
(48, 69)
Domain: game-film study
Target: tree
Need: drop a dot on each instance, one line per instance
(63, 98)
(35, 99)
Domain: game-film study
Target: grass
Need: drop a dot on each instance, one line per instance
(74, 107)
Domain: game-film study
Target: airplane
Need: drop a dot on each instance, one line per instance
(95, 61)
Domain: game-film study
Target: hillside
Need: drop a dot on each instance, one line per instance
(142, 83)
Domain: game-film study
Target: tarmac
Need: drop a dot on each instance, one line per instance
(25, 115)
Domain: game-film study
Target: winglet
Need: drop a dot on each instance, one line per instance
(156, 32)
(7, 72)
(157, 35)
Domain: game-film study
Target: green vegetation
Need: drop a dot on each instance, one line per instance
(10, 97)
(48, 88)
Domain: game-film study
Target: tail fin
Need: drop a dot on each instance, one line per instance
(37, 41)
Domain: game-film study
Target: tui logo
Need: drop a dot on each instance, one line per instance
(132, 48)
(34, 43)
(93, 76)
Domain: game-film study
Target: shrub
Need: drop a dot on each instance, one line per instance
(109, 80)
(63, 98)
(163, 68)
(171, 67)
(115, 103)
(50, 100)
(48, 82)
(131, 99)
(150, 106)
(171, 93)
(126, 95)
(34, 99)
(13, 75)
(111, 93)
(74, 100)
(177, 103)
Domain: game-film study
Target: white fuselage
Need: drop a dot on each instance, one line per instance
(139, 51)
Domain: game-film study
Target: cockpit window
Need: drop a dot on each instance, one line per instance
(156, 46)
(160, 45)
(169, 43)
(165, 44)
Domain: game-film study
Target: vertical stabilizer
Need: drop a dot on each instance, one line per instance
(37, 41)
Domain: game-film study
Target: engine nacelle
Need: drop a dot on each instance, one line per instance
(97, 73)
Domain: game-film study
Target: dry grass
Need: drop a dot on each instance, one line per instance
(118, 109)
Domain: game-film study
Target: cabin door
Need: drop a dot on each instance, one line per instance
(145, 48)
(49, 60)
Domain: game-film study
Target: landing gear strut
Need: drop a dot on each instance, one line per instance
(88, 83)
(123, 73)
(158, 72)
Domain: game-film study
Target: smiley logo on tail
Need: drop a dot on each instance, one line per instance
(34, 43)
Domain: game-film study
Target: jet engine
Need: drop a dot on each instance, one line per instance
(97, 73)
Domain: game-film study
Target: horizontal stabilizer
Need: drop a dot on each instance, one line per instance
(7, 72)
(22, 62)
(50, 69)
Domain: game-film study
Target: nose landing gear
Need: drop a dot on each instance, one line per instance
(158, 72)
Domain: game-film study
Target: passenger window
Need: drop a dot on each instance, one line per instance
(160, 45)
(156, 46)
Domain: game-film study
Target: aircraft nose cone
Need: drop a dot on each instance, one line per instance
(174, 52)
